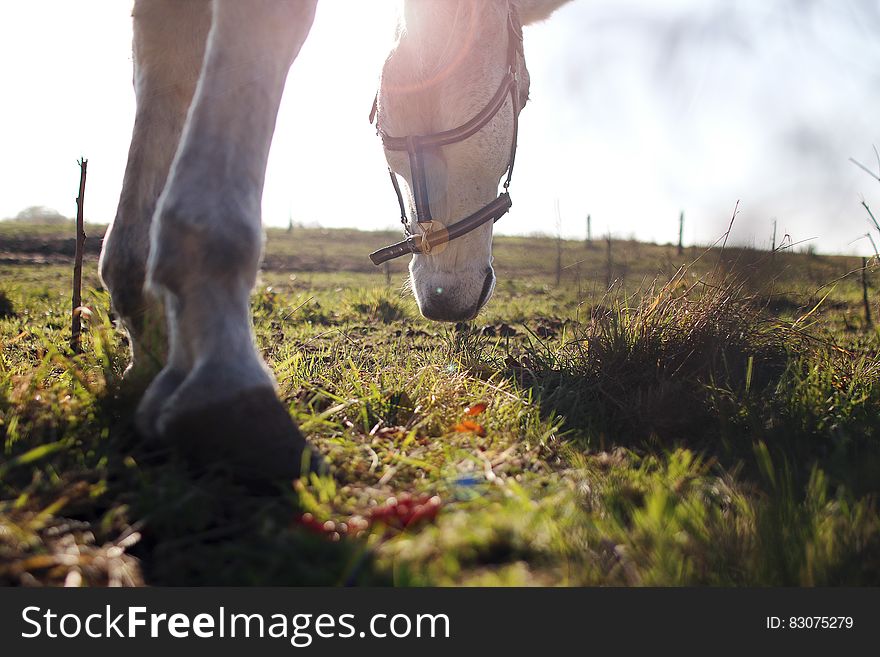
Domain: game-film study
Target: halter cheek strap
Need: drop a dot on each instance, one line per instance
(415, 145)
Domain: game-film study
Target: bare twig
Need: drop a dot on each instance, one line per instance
(76, 313)
(837, 280)
(874, 245)
(726, 235)
(791, 245)
(291, 313)
(730, 226)
(861, 166)
(864, 168)
(871, 214)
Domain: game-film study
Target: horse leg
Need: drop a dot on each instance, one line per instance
(168, 49)
(216, 397)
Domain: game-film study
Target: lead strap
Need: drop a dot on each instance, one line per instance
(400, 202)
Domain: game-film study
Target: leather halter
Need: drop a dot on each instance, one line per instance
(415, 145)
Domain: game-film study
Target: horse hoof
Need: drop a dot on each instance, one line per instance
(157, 394)
(251, 435)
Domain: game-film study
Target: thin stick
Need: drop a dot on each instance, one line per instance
(865, 169)
(873, 244)
(868, 322)
(726, 236)
(75, 323)
(871, 214)
(730, 227)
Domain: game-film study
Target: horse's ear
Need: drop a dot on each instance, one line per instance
(531, 11)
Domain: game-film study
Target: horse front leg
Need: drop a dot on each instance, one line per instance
(216, 397)
(168, 51)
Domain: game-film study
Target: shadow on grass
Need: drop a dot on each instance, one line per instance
(202, 527)
(111, 508)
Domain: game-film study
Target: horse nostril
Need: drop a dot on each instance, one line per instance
(486, 292)
(440, 308)
(444, 308)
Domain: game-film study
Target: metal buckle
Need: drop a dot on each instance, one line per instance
(425, 243)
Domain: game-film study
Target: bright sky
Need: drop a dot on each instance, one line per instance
(763, 106)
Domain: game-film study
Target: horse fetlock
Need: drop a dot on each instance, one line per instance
(149, 345)
(219, 249)
(122, 269)
(154, 399)
(139, 313)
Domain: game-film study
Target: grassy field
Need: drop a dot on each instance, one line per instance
(651, 418)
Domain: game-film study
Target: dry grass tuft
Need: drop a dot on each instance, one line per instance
(646, 371)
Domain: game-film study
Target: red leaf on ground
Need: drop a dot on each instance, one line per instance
(466, 426)
(476, 409)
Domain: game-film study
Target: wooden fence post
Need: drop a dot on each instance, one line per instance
(681, 233)
(773, 242)
(609, 264)
(558, 244)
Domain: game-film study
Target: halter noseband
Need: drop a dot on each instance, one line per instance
(415, 145)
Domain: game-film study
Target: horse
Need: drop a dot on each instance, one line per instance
(181, 257)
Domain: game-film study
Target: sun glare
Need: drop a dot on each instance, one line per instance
(323, 143)
(611, 131)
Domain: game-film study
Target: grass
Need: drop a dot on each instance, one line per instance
(708, 424)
